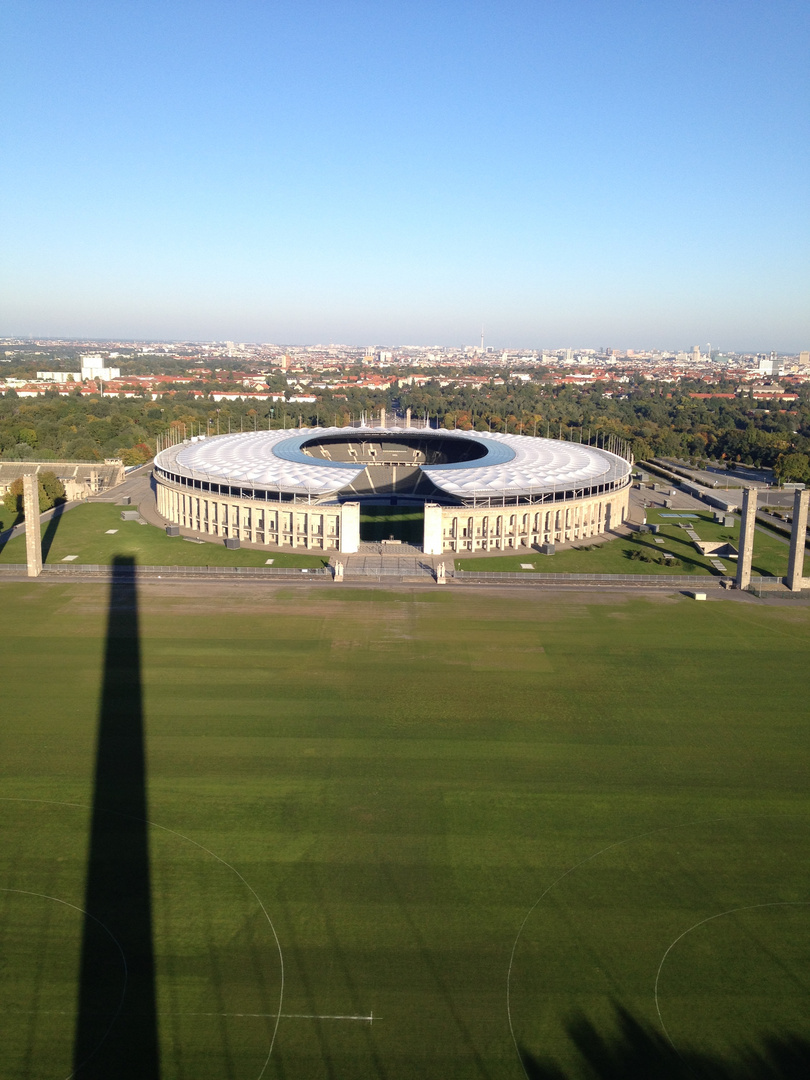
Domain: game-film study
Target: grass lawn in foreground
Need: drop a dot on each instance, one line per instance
(83, 532)
(433, 796)
(613, 556)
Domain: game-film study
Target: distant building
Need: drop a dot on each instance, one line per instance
(59, 376)
(92, 368)
(770, 365)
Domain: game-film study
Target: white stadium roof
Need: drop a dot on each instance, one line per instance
(513, 465)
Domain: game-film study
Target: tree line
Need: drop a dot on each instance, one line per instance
(656, 420)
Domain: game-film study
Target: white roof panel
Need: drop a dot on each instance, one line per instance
(513, 465)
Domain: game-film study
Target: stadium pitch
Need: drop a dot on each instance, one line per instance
(288, 833)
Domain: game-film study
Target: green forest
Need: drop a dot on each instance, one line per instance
(655, 419)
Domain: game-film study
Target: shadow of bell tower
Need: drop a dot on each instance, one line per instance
(116, 1027)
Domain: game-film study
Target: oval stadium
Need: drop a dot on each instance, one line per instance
(304, 488)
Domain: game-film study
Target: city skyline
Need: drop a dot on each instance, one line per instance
(595, 174)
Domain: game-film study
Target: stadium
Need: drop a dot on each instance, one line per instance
(304, 488)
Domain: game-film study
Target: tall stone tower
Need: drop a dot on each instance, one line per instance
(798, 536)
(33, 541)
(746, 554)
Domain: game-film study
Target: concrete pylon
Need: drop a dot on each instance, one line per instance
(749, 518)
(33, 541)
(798, 535)
(349, 528)
(433, 537)
(382, 418)
(408, 417)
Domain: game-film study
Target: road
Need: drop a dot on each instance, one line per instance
(719, 479)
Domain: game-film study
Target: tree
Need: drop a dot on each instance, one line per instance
(136, 455)
(51, 491)
(792, 467)
(13, 498)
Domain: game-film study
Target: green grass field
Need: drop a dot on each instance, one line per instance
(405, 523)
(82, 531)
(597, 802)
(613, 556)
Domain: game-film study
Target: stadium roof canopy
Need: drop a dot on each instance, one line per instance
(512, 465)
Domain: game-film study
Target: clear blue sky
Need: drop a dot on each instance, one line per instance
(573, 172)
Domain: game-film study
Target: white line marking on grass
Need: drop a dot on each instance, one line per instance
(113, 938)
(248, 886)
(544, 894)
(258, 900)
(292, 1016)
(702, 922)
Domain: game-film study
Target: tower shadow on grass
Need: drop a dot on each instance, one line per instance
(635, 1051)
(5, 534)
(116, 1027)
(50, 530)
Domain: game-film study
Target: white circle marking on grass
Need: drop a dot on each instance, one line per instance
(695, 926)
(248, 886)
(113, 938)
(544, 894)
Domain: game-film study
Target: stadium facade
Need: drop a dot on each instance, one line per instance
(303, 488)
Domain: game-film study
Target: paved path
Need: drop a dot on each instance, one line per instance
(136, 485)
(387, 565)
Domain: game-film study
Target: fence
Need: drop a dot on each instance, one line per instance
(392, 571)
(632, 579)
(185, 571)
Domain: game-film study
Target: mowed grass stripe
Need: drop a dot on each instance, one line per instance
(400, 779)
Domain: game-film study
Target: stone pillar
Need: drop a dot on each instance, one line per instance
(408, 417)
(798, 534)
(349, 527)
(433, 538)
(33, 540)
(749, 517)
(382, 418)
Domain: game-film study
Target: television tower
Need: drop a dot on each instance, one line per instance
(482, 340)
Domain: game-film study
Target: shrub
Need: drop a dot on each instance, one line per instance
(51, 492)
